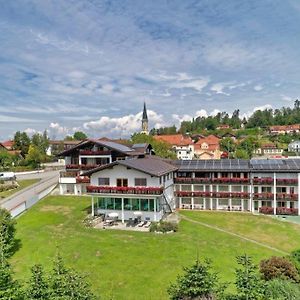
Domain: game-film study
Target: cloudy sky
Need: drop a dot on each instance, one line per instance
(90, 64)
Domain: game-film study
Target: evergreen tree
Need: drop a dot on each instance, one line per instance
(38, 287)
(248, 283)
(197, 282)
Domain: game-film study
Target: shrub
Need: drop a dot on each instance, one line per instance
(7, 187)
(278, 289)
(278, 267)
(163, 227)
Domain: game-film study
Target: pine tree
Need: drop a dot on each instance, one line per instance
(38, 287)
(197, 282)
(248, 283)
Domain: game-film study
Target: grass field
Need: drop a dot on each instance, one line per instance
(134, 265)
(22, 185)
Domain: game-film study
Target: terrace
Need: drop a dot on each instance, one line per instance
(212, 194)
(189, 180)
(95, 152)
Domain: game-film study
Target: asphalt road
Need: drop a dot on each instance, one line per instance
(48, 179)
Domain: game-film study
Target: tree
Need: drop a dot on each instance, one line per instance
(38, 287)
(197, 282)
(34, 156)
(9, 288)
(227, 144)
(65, 283)
(7, 233)
(278, 267)
(6, 160)
(40, 141)
(241, 154)
(279, 289)
(79, 135)
(21, 142)
(248, 283)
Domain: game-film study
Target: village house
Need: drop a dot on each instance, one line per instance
(284, 129)
(294, 146)
(208, 148)
(269, 150)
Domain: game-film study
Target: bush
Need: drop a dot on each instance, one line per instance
(278, 289)
(163, 227)
(7, 187)
(278, 267)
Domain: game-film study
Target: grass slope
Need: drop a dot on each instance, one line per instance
(131, 265)
(22, 185)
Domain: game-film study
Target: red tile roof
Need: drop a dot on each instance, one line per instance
(175, 139)
(212, 141)
(8, 144)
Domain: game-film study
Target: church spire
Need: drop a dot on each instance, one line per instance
(145, 121)
(145, 117)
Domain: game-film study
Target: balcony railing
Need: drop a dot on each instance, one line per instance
(212, 194)
(67, 174)
(264, 180)
(279, 210)
(263, 196)
(125, 190)
(80, 167)
(190, 180)
(83, 179)
(285, 196)
(287, 181)
(95, 152)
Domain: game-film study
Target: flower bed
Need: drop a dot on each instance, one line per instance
(285, 196)
(263, 195)
(125, 190)
(82, 179)
(267, 210)
(91, 152)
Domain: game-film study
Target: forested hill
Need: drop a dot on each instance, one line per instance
(260, 118)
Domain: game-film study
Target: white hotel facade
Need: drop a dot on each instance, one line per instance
(127, 180)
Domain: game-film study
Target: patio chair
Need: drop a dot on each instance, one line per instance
(141, 224)
(147, 225)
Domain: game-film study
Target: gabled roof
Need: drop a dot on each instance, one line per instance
(8, 144)
(174, 139)
(106, 143)
(149, 165)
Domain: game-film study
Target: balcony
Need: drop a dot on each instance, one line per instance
(279, 210)
(125, 190)
(230, 180)
(281, 181)
(94, 152)
(285, 196)
(190, 180)
(84, 179)
(239, 195)
(263, 196)
(264, 180)
(80, 167)
(67, 174)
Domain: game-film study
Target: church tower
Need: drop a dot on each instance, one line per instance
(145, 121)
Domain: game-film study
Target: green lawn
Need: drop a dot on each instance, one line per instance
(134, 265)
(22, 185)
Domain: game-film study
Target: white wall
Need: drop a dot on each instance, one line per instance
(119, 171)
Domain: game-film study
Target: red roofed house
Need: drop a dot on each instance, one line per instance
(283, 129)
(8, 144)
(182, 145)
(208, 148)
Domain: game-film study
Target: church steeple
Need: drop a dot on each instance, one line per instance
(145, 121)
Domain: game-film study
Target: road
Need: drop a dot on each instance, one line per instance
(48, 179)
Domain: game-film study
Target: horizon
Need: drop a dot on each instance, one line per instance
(182, 59)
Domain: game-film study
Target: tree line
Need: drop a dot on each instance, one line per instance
(258, 119)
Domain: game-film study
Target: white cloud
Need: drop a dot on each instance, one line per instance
(219, 87)
(57, 129)
(286, 98)
(258, 87)
(32, 131)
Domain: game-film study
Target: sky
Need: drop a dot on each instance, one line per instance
(68, 65)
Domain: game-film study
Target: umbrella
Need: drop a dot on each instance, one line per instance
(113, 215)
(137, 213)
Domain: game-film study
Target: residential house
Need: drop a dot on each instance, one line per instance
(284, 129)
(181, 144)
(268, 150)
(294, 146)
(133, 187)
(208, 148)
(90, 154)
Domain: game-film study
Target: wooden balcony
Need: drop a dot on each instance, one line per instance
(84, 179)
(94, 152)
(263, 181)
(263, 196)
(286, 181)
(80, 167)
(221, 180)
(239, 195)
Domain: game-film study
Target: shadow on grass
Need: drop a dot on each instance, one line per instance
(17, 245)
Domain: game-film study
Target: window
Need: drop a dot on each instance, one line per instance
(122, 182)
(103, 181)
(140, 181)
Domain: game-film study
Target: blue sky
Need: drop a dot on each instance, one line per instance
(88, 65)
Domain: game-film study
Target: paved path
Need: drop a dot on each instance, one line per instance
(48, 179)
(234, 234)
